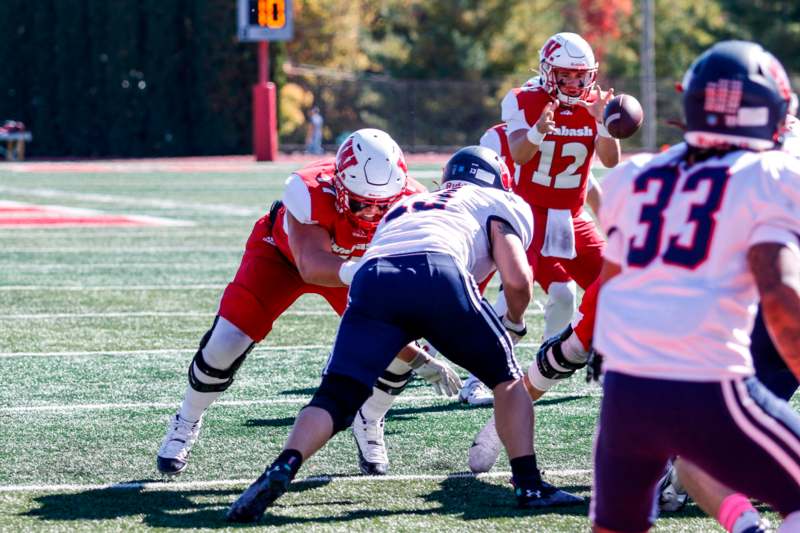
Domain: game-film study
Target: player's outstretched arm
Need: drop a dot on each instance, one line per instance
(776, 269)
(311, 248)
(525, 143)
(515, 272)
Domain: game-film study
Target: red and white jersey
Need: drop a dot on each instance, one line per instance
(496, 139)
(556, 176)
(683, 304)
(311, 198)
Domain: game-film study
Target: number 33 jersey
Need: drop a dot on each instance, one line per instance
(455, 221)
(556, 176)
(682, 306)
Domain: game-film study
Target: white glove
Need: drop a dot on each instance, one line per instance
(515, 330)
(438, 374)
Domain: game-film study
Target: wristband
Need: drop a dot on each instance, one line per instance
(419, 360)
(347, 271)
(602, 131)
(535, 136)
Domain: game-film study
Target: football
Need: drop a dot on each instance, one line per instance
(623, 116)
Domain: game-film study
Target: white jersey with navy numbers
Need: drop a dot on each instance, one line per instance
(683, 305)
(454, 221)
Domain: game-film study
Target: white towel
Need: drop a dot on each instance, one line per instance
(559, 235)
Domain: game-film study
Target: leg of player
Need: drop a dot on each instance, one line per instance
(222, 350)
(560, 356)
(373, 459)
(732, 510)
(474, 392)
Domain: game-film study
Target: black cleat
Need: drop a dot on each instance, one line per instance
(544, 495)
(270, 486)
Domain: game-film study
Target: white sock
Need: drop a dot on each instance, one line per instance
(226, 344)
(195, 402)
(747, 520)
(380, 402)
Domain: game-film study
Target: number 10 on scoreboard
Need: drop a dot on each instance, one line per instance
(265, 20)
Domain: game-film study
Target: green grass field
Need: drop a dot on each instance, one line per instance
(98, 324)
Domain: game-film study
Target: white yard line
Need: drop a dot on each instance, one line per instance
(119, 288)
(165, 351)
(131, 201)
(66, 408)
(172, 314)
(126, 252)
(224, 483)
(138, 406)
(182, 351)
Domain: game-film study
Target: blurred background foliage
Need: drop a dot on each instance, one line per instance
(103, 78)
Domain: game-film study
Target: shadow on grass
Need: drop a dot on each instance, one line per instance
(458, 497)
(407, 413)
(475, 499)
(191, 508)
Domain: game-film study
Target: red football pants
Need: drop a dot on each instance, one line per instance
(266, 284)
(584, 268)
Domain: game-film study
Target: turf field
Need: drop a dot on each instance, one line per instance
(99, 320)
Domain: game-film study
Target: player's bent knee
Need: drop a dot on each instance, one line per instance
(222, 351)
(341, 396)
(562, 295)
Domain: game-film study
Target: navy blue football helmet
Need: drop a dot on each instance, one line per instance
(735, 94)
(478, 165)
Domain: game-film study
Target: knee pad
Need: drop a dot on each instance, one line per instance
(551, 364)
(224, 346)
(341, 396)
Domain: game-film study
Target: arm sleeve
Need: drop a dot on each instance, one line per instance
(777, 203)
(297, 199)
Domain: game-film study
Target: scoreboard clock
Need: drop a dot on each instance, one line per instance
(265, 20)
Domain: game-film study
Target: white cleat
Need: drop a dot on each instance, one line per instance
(372, 457)
(671, 494)
(474, 392)
(173, 456)
(485, 449)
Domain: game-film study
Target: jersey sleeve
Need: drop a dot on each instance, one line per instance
(297, 199)
(517, 213)
(512, 113)
(777, 202)
(491, 140)
(617, 186)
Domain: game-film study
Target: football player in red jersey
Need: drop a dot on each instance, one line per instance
(329, 212)
(554, 129)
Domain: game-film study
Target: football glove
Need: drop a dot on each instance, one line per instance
(515, 331)
(594, 366)
(438, 374)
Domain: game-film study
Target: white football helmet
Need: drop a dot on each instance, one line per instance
(567, 54)
(371, 174)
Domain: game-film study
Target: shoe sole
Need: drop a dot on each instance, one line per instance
(171, 474)
(368, 468)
